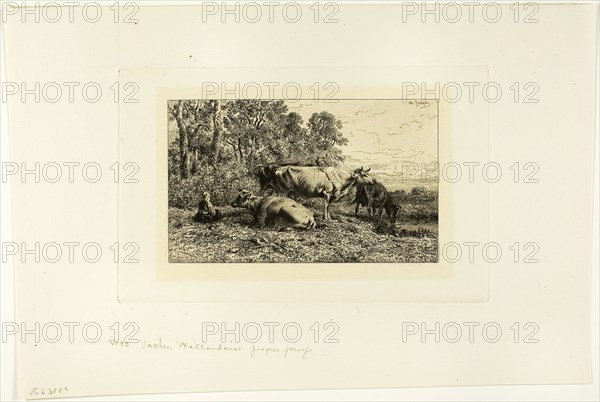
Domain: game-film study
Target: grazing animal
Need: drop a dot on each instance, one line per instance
(267, 209)
(375, 196)
(206, 207)
(310, 181)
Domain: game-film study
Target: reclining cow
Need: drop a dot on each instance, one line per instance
(310, 181)
(375, 197)
(267, 209)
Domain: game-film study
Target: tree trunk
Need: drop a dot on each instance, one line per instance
(217, 133)
(184, 165)
(240, 150)
(194, 162)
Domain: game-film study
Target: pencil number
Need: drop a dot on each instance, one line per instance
(37, 391)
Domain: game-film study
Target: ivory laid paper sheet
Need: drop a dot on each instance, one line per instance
(495, 289)
(389, 259)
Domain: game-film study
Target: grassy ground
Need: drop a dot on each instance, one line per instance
(344, 239)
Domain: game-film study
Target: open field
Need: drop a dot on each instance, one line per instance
(346, 238)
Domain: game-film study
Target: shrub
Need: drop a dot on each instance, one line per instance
(223, 186)
(420, 204)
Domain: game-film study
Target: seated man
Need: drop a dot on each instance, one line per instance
(205, 206)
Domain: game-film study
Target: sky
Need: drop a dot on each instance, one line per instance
(384, 135)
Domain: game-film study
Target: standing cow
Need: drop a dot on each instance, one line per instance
(324, 182)
(375, 197)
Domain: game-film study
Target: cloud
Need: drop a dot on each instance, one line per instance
(365, 135)
(298, 106)
(411, 126)
(414, 154)
(345, 119)
(369, 113)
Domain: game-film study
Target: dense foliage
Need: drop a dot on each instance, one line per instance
(219, 143)
(417, 205)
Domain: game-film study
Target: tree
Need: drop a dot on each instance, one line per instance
(177, 112)
(217, 126)
(237, 135)
(255, 130)
(325, 138)
(419, 193)
(193, 120)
